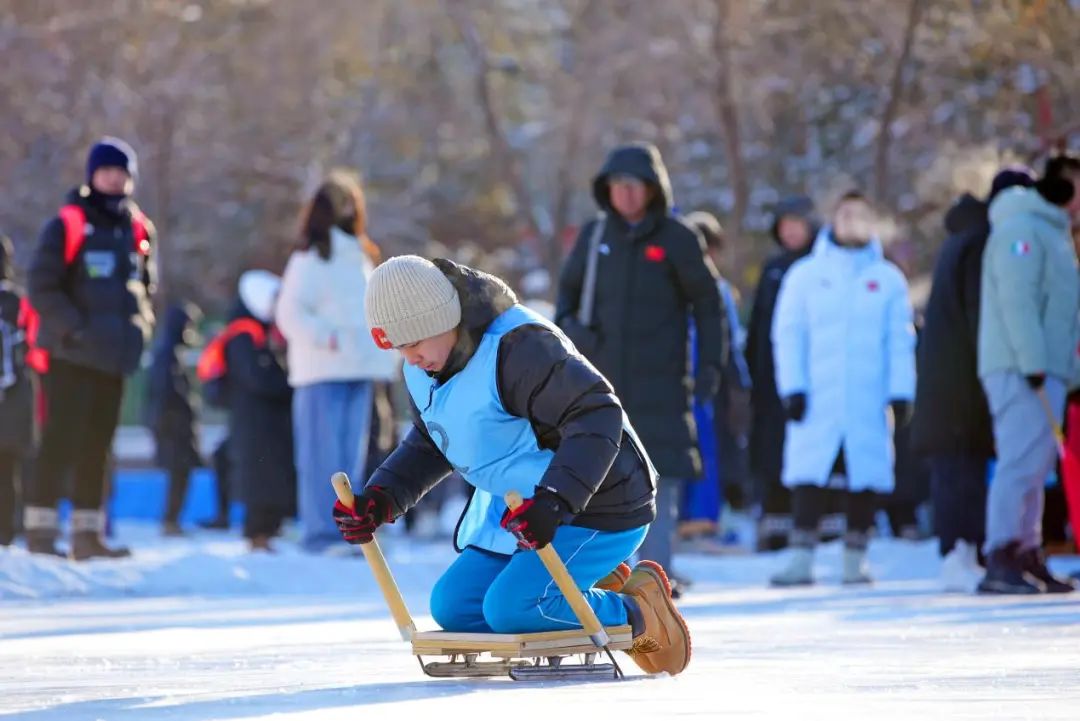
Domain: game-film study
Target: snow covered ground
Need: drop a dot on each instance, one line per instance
(199, 629)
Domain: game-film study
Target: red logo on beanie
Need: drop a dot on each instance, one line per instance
(379, 336)
(655, 253)
(873, 286)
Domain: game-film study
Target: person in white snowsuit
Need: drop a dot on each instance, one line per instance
(844, 344)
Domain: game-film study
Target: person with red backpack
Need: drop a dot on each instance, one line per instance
(16, 393)
(90, 282)
(254, 382)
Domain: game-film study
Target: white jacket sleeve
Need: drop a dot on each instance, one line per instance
(900, 337)
(790, 336)
(297, 316)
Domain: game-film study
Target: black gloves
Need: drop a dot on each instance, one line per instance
(534, 522)
(901, 411)
(795, 407)
(371, 509)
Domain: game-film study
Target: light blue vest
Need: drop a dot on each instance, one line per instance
(493, 450)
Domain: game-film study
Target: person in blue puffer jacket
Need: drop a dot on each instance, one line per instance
(500, 395)
(844, 343)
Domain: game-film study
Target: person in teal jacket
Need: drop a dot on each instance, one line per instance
(844, 342)
(1029, 328)
(500, 395)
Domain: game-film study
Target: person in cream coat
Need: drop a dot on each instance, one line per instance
(333, 361)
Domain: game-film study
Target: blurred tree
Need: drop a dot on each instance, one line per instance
(477, 124)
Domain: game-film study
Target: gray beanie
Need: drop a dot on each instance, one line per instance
(408, 300)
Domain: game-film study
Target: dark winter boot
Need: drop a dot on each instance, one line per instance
(42, 528)
(1005, 573)
(260, 543)
(172, 529)
(1033, 561)
(773, 532)
(87, 528)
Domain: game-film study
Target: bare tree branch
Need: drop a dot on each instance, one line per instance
(892, 105)
(507, 162)
(728, 113)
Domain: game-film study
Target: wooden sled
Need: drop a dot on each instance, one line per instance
(551, 655)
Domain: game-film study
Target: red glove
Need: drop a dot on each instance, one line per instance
(534, 522)
(371, 509)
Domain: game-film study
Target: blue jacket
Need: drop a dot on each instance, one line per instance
(517, 407)
(495, 452)
(843, 335)
(1030, 318)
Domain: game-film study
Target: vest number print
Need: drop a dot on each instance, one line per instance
(439, 434)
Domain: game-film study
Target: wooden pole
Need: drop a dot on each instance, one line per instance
(377, 562)
(584, 612)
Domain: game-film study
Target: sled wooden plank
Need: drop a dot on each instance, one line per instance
(510, 645)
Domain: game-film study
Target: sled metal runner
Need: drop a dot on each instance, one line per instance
(544, 668)
(549, 655)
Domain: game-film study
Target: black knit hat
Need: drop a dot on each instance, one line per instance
(798, 206)
(1008, 177)
(112, 152)
(1053, 185)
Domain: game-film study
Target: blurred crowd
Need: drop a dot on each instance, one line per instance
(828, 407)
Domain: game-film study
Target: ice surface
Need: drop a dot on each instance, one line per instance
(198, 629)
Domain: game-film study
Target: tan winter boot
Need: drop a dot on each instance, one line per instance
(42, 527)
(87, 526)
(663, 646)
(615, 580)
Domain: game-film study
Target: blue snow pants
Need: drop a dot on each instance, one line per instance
(484, 592)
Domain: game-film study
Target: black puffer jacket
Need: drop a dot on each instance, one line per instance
(95, 312)
(951, 413)
(16, 389)
(650, 278)
(171, 403)
(598, 469)
(261, 463)
(769, 421)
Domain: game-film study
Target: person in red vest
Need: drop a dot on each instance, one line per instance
(90, 281)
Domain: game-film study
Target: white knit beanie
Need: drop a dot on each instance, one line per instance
(408, 300)
(258, 292)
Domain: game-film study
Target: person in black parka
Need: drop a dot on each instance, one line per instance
(94, 301)
(260, 414)
(172, 408)
(16, 393)
(794, 228)
(951, 424)
(652, 273)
